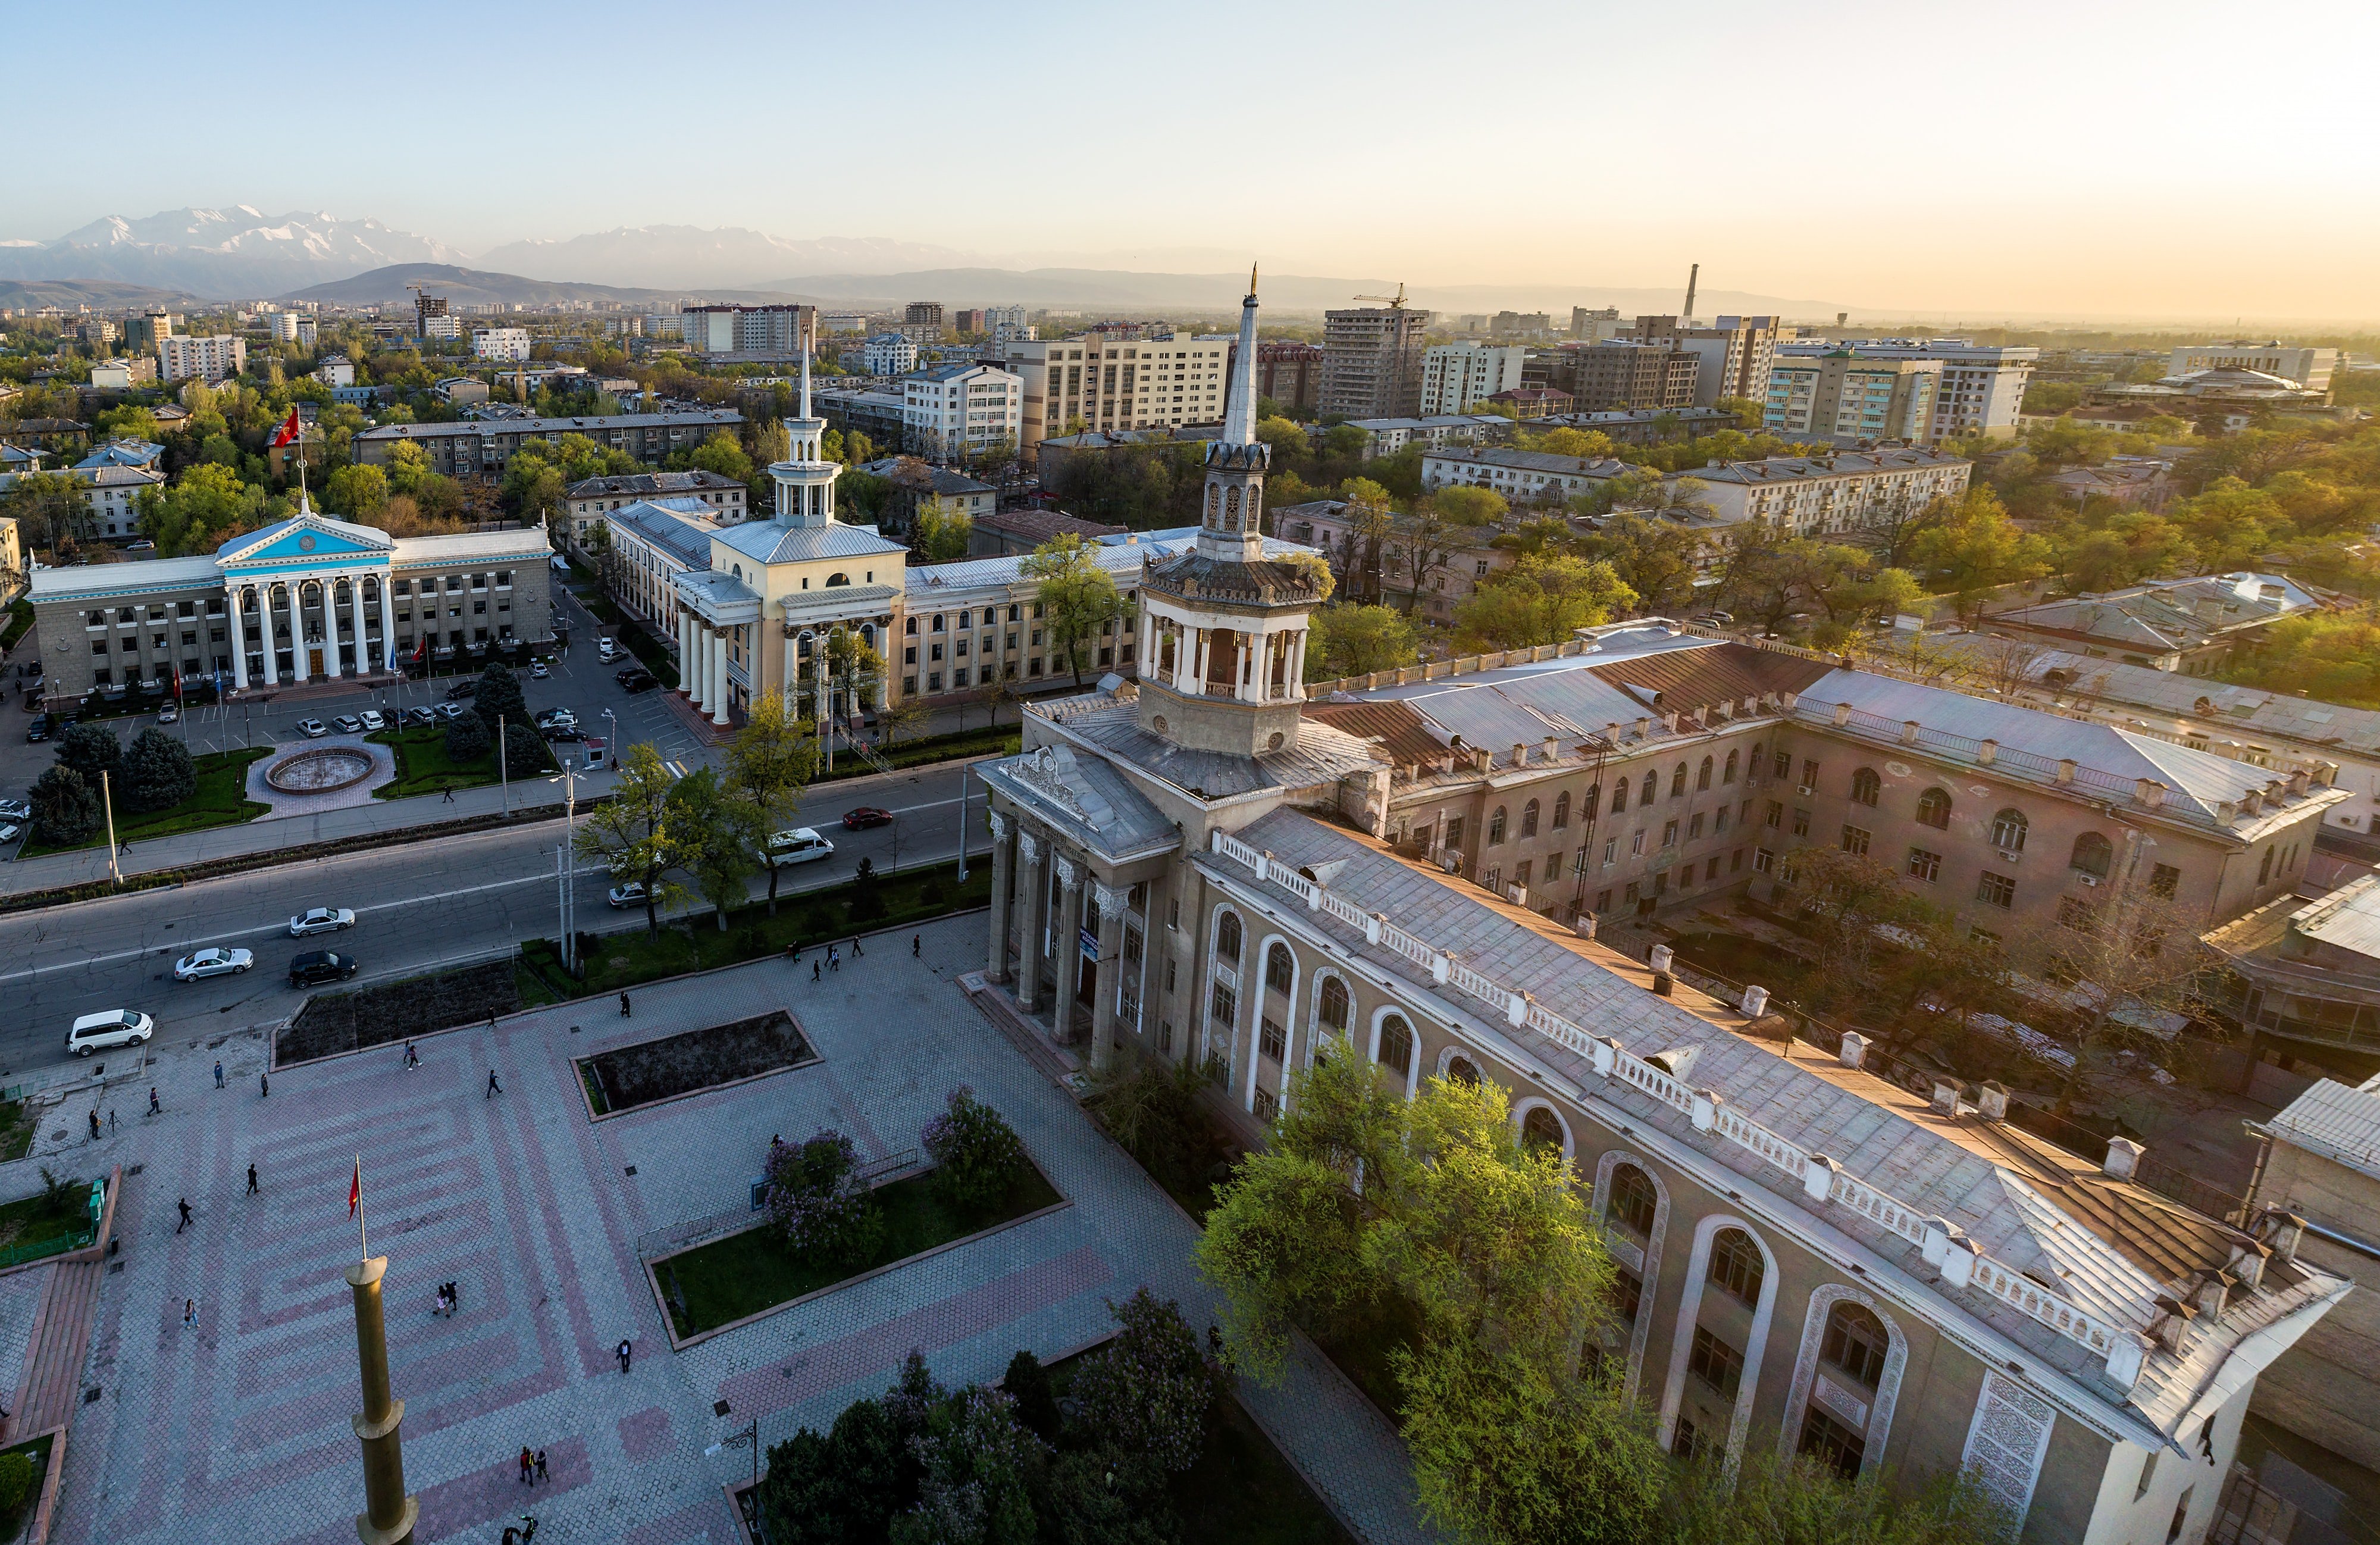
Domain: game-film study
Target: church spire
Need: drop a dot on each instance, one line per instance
(1240, 404)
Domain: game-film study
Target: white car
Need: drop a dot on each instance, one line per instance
(538, 671)
(212, 963)
(321, 919)
(630, 894)
(557, 716)
(312, 729)
(606, 651)
(8, 832)
(797, 846)
(115, 1027)
(450, 710)
(374, 719)
(168, 713)
(347, 723)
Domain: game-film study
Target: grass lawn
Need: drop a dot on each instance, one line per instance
(17, 1125)
(618, 960)
(20, 617)
(423, 767)
(746, 1272)
(27, 1234)
(219, 799)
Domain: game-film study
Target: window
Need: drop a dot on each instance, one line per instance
(1227, 938)
(2180, 1517)
(1854, 840)
(1995, 890)
(2163, 879)
(1541, 1131)
(1521, 874)
(1396, 1045)
(1703, 776)
(1728, 777)
(1677, 782)
(1763, 861)
(1832, 1444)
(2263, 871)
(1801, 823)
(1783, 765)
(2008, 831)
(1266, 1104)
(1856, 1343)
(1810, 774)
(1865, 787)
(1562, 810)
(1694, 826)
(1224, 1008)
(1736, 1265)
(1776, 813)
(1272, 1041)
(2094, 855)
(1634, 1200)
(1627, 1295)
(1279, 969)
(1719, 821)
(1620, 796)
(1933, 810)
(1460, 1071)
(1924, 865)
(1689, 1443)
(1716, 1363)
(1652, 786)
(1529, 819)
(1496, 827)
(1494, 878)
(1668, 833)
(1333, 1008)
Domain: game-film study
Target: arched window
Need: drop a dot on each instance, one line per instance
(1736, 1265)
(1333, 1009)
(2094, 855)
(1728, 777)
(1227, 938)
(1933, 809)
(1541, 1130)
(837, 577)
(1634, 1200)
(1496, 827)
(1279, 968)
(1562, 810)
(1397, 1045)
(1865, 787)
(2204, 707)
(1460, 1071)
(2008, 831)
(1214, 503)
(1703, 776)
(1529, 819)
(1620, 796)
(1678, 781)
(1652, 786)
(1586, 806)
(1856, 1343)
(1232, 510)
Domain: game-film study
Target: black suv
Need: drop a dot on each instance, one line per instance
(315, 967)
(466, 687)
(636, 679)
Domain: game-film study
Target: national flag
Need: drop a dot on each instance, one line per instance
(355, 1187)
(288, 431)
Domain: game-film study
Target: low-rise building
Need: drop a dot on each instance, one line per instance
(2192, 626)
(480, 449)
(1840, 494)
(911, 482)
(1643, 426)
(122, 375)
(462, 390)
(1009, 533)
(212, 358)
(111, 494)
(721, 498)
(878, 412)
(123, 453)
(2309, 367)
(2132, 482)
(952, 412)
(1522, 477)
(499, 343)
(1388, 436)
(1533, 402)
(1428, 584)
(337, 371)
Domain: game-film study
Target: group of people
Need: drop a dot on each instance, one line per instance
(449, 1300)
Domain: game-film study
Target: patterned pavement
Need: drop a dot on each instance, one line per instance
(237, 1428)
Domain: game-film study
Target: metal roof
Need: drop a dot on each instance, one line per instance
(776, 542)
(2339, 1122)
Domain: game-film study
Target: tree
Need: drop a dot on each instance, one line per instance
(525, 752)
(2131, 964)
(1895, 534)
(50, 509)
(1463, 505)
(818, 1199)
(1975, 548)
(1346, 640)
(1773, 1501)
(1540, 600)
(841, 1488)
(1077, 598)
(207, 507)
(770, 762)
(468, 740)
(89, 750)
(1421, 540)
(355, 490)
(975, 1152)
(499, 697)
(158, 774)
(1315, 568)
(1844, 899)
(943, 532)
(1655, 558)
(713, 842)
(630, 834)
(1148, 1392)
(722, 454)
(981, 1470)
(67, 808)
(1370, 520)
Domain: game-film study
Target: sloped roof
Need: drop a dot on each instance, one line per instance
(676, 526)
(778, 542)
(2339, 1122)
(1096, 805)
(1321, 754)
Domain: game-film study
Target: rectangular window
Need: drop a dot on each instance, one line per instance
(1763, 861)
(1784, 764)
(1275, 1043)
(1854, 840)
(1223, 1008)
(1165, 1035)
(1995, 890)
(1716, 1363)
(1168, 976)
(1809, 774)
(1454, 832)
(1610, 849)
(1924, 865)
(1668, 833)
(1695, 827)
(1801, 823)
(1636, 845)
(1602, 901)
(2163, 879)
(1775, 813)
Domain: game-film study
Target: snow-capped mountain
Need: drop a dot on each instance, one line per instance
(729, 257)
(221, 253)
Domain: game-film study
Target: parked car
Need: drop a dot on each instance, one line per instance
(607, 649)
(374, 719)
(168, 713)
(421, 717)
(16, 809)
(466, 687)
(636, 680)
(316, 967)
(556, 735)
(202, 963)
(538, 671)
(799, 845)
(866, 815)
(114, 1027)
(321, 919)
(39, 730)
(630, 894)
(450, 710)
(10, 832)
(347, 723)
(312, 729)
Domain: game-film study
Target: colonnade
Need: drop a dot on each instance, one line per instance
(1025, 875)
(294, 588)
(702, 663)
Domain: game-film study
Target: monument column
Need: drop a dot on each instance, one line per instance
(1034, 850)
(998, 968)
(237, 601)
(1067, 944)
(389, 1514)
(1111, 901)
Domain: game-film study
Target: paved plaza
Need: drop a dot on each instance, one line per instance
(235, 1428)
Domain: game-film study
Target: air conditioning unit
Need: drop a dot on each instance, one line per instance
(2086, 879)
(1805, 790)
(2006, 856)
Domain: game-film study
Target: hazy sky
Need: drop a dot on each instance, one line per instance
(2020, 158)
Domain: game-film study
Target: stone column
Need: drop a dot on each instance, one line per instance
(688, 678)
(1297, 667)
(698, 673)
(1111, 900)
(264, 626)
(355, 608)
(997, 969)
(387, 625)
(238, 601)
(330, 631)
(297, 631)
(1066, 941)
(790, 689)
(719, 679)
(1034, 850)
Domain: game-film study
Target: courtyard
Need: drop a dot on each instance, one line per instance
(235, 1425)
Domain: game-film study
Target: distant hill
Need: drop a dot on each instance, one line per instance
(386, 287)
(223, 254)
(691, 256)
(99, 294)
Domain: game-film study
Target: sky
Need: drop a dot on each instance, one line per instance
(2022, 159)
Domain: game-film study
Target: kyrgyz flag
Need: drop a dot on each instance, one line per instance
(355, 1187)
(288, 431)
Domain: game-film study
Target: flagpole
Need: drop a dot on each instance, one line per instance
(363, 1238)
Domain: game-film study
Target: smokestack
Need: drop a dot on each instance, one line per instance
(1693, 280)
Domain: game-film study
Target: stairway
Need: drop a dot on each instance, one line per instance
(61, 1340)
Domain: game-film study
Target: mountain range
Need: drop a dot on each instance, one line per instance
(393, 286)
(219, 253)
(690, 257)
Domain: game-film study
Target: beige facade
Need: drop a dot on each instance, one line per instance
(1117, 382)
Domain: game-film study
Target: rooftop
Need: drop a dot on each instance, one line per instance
(1110, 725)
(1838, 464)
(679, 526)
(2342, 1124)
(1534, 461)
(555, 427)
(2169, 615)
(644, 483)
(778, 542)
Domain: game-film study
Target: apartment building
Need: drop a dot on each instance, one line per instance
(910, 483)
(1372, 362)
(282, 326)
(1830, 495)
(481, 448)
(144, 331)
(1853, 399)
(1428, 584)
(2193, 626)
(889, 354)
(923, 314)
(2309, 367)
(447, 328)
(1289, 373)
(1620, 375)
(425, 308)
(181, 358)
(951, 412)
(1157, 381)
(509, 343)
(882, 416)
(745, 332)
(1388, 436)
(1595, 326)
(1733, 356)
(122, 375)
(1457, 377)
(1982, 388)
(1522, 477)
(969, 323)
(720, 499)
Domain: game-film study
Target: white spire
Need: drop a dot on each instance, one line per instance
(805, 324)
(1240, 404)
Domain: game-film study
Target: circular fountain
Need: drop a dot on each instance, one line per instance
(321, 770)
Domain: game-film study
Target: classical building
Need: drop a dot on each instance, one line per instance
(308, 597)
(1206, 870)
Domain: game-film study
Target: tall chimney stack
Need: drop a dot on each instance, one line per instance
(1693, 280)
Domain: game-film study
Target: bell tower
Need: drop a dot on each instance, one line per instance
(805, 479)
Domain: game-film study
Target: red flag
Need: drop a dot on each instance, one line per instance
(288, 431)
(355, 1187)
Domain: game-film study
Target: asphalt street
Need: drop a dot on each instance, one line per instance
(419, 906)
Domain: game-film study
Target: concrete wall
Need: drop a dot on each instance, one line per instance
(2327, 1388)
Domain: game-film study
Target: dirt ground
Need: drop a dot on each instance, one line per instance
(335, 1022)
(679, 1065)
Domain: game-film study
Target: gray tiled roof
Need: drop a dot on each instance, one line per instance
(2339, 1122)
(661, 522)
(776, 542)
(1083, 795)
(1321, 755)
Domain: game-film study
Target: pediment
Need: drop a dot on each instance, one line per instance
(305, 538)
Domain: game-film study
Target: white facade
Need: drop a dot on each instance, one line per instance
(1115, 384)
(890, 353)
(2310, 368)
(208, 358)
(339, 371)
(1456, 376)
(1829, 496)
(283, 325)
(1982, 385)
(954, 411)
(442, 327)
(499, 343)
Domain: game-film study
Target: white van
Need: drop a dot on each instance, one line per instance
(797, 846)
(117, 1026)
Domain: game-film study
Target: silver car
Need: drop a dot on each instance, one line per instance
(321, 919)
(212, 963)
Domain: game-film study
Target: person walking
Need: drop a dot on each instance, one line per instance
(527, 1461)
(814, 970)
(541, 1475)
(449, 798)
(152, 1099)
(623, 1351)
(110, 1121)
(251, 1180)
(189, 1311)
(855, 950)
(219, 1083)
(623, 1007)
(495, 1088)
(917, 945)
(834, 957)
(265, 1086)
(94, 1123)
(185, 1205)
(528, 1520)
(412, 1057)
(491, 1020)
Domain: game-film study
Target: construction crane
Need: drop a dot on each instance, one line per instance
(1394, 302)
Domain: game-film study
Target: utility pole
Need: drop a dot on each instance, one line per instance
(570, 868)
(108, 798)
(504, 773)
(963, 773)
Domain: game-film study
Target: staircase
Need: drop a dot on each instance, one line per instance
(61, 1340)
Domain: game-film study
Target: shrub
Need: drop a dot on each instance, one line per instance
(15, 1480)
(931, 891)
(1027, 1383)
(1097, 1497)
(157, 772)
(982, 1469)
(1148, 1393)
(65, 806)
(867, 892)
(817, 1197)
(468, 740)
(525, 751)
(975, 1152)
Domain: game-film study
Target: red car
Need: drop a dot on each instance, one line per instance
(865, 817)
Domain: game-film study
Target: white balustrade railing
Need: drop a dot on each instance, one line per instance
(1822, 1178)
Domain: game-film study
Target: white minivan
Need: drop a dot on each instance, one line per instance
(800, 846)
(117, 1026)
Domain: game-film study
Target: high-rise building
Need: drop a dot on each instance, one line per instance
(425, 306)
(1620, 374)
(1733, 356)
(1594, 327)
(282, 326)
(1003, 316)
(1372, 361)
(969, 322)
(499, 343)
(1848, 397)
(924, 313)
(208, 359)
(1982, 386)
(1289, 373)
(755, 332)
(1106, 381)
(1455, 376)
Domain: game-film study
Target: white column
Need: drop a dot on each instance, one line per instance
(297, 631)
(387, 625)
(1297, 665)
(698, 665)
(264, 626)
(719, 679)
(356, 603)
(689, 656)
(237, 600)
(793, 675)
(330, 629)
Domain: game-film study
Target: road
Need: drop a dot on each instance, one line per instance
(417, 907)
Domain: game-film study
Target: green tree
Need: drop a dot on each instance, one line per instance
(1770, 1500)
(208, 506)
(1977, 548)
(981, 1470)
(1147, 1393)
(631, 833)
(158, 774)
(1471, 507)
(525, 752)
(499, 697)
(713, 841)
(1349, 639)
(722, 454)
(49, 511)
(67, 807)
(468, 740)
(1371, 519)
(944, 530)
(1079, 599)
(770, 762)
(355, 491)
(1655, 558)
(1540, 600)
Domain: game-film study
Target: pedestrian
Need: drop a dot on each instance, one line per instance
(624, 1353)
(834, 957)
(854, 945)
(450, 797)
(185, 1205)
(512, 1535)
(152, 1099)
(541, 1475)
(412, 1057)
(495, 1088)
(189, 1311)
(492, 1020)
(251, 1180)
(219, 1083)
(528, 1521)
(814, 970)
(917, 945)
(265, 1086)
(94, 1123)
(527, 1461)
(110, 1121)
(623, 1007)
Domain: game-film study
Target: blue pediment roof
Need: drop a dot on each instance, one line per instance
(307, 536)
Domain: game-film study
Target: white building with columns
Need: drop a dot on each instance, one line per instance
(309, 598)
